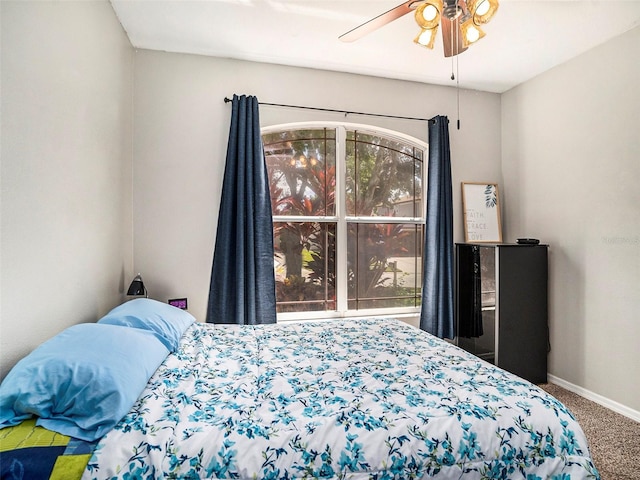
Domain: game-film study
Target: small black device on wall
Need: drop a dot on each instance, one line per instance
(180, 303)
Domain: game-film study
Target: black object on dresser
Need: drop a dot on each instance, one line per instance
(502, 306)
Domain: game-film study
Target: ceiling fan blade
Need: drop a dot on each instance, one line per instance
(452, 37)
(379, 21)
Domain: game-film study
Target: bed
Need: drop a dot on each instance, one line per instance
(349, 399)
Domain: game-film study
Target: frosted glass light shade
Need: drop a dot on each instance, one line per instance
(427, 37)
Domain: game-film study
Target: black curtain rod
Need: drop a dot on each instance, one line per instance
(346, 112)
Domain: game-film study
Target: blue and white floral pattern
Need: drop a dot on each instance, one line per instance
(349, 399)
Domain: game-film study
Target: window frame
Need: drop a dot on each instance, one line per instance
(341, 219)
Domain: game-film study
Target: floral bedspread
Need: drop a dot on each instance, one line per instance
(348, 399)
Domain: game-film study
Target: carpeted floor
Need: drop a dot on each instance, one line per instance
(614, 440)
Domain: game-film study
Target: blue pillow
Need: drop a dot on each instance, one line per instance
(167, 322)
(82, 381)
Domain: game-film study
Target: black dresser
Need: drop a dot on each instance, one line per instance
(502, 306)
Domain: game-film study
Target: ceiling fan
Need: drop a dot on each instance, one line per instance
(460, 20)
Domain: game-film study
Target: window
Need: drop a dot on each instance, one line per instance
(348, 215)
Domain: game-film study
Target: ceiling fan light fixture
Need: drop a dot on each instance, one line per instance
(471, 32)
(427, 37)
(482, 11)
(428, 14)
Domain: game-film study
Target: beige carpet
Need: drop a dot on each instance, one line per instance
(614, 440)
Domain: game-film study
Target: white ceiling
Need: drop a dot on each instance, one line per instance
(524, 39)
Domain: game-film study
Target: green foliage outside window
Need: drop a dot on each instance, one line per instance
(383, 180)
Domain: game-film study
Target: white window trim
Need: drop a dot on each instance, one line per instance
(341, 225)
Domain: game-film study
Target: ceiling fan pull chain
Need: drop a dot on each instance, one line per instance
(455, 67)
(458, 87)
(453, 77)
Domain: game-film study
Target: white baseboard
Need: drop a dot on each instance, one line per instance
(594, 397)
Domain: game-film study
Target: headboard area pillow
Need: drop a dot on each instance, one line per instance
(167, 322)
(83, 381)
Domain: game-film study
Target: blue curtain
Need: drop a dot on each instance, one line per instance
(436, 316)
(242, 287)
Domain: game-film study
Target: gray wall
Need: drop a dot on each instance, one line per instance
(67, 70)
(181, 131)
(571, 167)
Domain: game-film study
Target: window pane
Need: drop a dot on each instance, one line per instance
(301, 166)
(304, 262)
(384, 265)
(383, 177)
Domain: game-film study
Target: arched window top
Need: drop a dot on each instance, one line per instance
(383, 132)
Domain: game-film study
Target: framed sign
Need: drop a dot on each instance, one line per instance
(180, 303)
(481, 208)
